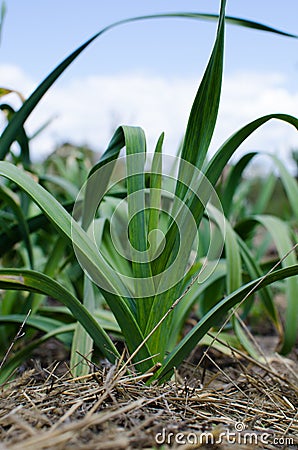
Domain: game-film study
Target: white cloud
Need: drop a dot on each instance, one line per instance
(13, 77)
(247, 96)
(90, 108)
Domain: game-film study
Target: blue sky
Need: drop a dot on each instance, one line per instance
(147, 73)
(38, 34)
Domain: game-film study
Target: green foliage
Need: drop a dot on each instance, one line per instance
(130, 251)
(2, 17)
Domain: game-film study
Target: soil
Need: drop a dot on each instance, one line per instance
(227, 401)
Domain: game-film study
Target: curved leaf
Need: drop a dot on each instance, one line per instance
(98, 268)
(14, 234)
(289, 182)
(9, 197)
(233, 257)
(226, 151)
(29, 280)
(233, 180)
(70, 188)
(219, 311)
(21, 137)
(281, 236)
(255, 271)
(41, 323)
(204, 110)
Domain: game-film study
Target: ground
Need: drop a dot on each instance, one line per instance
(227, 402)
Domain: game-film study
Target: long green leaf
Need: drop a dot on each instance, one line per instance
(14, 234)
(203, 113)
(99, 177)
(289, 182)
(9, 197)
(155, 196)
(215, 168)
(226, 151)
(233, 180)
(21, 137)
(265, 194)
(254, 271)
(217, 313)
(233, 258)
(97, 185)
(98, 268)
(181, 312)
(41, 323)
(198, 135)
(82, 343)
(2, 17)
(281, 236)
(68, 227)
(29, 280)
(135, 169)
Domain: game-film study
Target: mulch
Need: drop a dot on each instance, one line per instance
(228, 402)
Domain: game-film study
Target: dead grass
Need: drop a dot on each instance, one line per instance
(43, 409)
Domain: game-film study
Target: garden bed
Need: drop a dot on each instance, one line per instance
(226, 402)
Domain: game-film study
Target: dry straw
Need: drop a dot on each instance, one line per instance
(41, 410)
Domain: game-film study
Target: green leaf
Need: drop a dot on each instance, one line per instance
(204, 111)
(29, 280)
(63, 221)
(10, 198)
(255, 271)
(289, 182)
(219, 161)
(281, 235)
(135, 169)
(20, 137)
(41, 323)
(233, 258)
(82, 343)
(217, 272)
(244, 339)
(98, 268)
(67, 186)
(233, 180)
(218, 312)
(198, 135)
(14, 234)
(226, 151)
(265, 194)
(155, 196)
(99, 177)
(2, 17)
